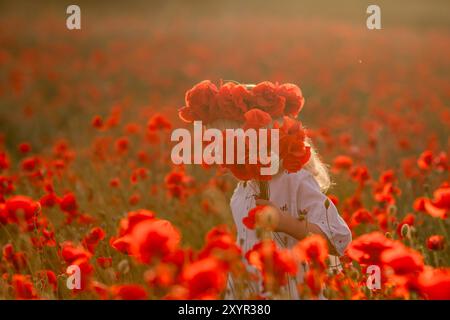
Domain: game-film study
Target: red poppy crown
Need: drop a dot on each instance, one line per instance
(205, 102)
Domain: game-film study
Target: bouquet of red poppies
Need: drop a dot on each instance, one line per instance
(231, 101)
(265, 105)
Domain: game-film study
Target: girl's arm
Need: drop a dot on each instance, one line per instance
(284, 222)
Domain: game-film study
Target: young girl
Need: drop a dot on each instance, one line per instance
(290, 195)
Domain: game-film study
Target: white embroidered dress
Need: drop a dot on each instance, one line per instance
(293, 193)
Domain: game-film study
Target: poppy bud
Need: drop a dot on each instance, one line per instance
(426, 188)
(327, 203)
(392, 209)
(259, 233)
(123, 266)
(354, 274)
(405, 231)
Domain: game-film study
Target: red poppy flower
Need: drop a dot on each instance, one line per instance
(70, 252)
(294, 98)
(101, 290)
(114, 117)
(251, 219)
(436, 242)
(179, 257)
(256, 119)
(434, 284)
(159, 122)
(17, 260)
(128, 292)
(132, 128)
(360, 174)
(425, 160)
(200, 103)
(30, 163)
(334, 199)
(126, 227)
(97, 122)
(6, 186)
(314, 280)
(387, 176)
(220, 243)
(367, 249)
(273, 263)
(68, 203)
(360, 216)
(49, 200)
(293, 151)
(419, 204)
(114, 182)
(161, 275)
(4, 161)
(104, 262)
(134, 199)
(226, 103)
(402, 260)
(21, 206)
(23, 287)
(244, 172)
(312, 249)
(24, 147)
(127, 224)
(386, 193)
(442, 161)
(177, 184)
(439, 206)
(242, 97)
(205, 278)
(91, 240)
(268, 99)
(122, 144)
(342, 163)
(153, 238)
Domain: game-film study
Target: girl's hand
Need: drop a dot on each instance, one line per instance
(276, 220)
(270, 218)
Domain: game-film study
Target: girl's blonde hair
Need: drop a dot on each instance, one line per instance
(317, 168)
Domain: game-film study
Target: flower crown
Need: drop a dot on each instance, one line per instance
(232, 101)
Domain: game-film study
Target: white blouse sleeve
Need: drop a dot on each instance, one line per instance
(312, 201)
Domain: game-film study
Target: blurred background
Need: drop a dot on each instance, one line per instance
(147, 50)
(86, 115)
(380, 97)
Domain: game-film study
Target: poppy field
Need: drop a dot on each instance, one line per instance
(87, 179)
